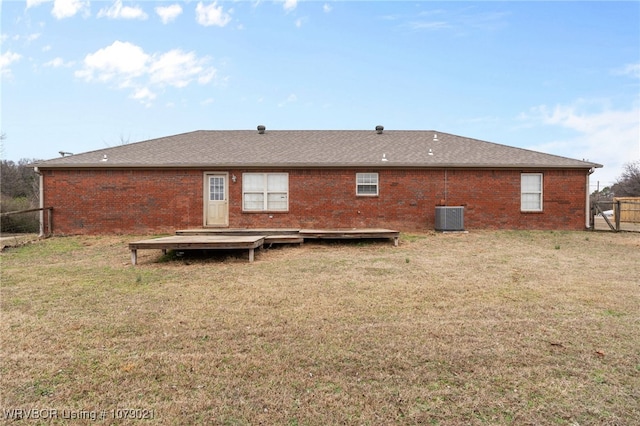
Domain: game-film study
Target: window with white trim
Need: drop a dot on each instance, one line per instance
(531, 192)
(265, 191)
(366, 184)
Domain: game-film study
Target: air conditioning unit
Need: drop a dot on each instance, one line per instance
(450, 218)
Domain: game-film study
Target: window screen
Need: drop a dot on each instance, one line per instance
(531, 192)
(265, 191)
(366, 183)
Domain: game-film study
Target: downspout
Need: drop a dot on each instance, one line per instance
(588, 202)
(41, 200)
(445, 188)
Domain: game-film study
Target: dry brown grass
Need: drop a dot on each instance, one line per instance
(479, 328)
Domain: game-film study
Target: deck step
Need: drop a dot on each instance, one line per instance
(283, 239)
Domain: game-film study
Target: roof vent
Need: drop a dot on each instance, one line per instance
(379, 129)
(261, 129)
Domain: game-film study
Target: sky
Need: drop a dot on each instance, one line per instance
(561, 77)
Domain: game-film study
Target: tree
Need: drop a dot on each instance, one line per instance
(628, 184)
(19, 180)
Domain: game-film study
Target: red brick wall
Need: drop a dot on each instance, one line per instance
(123, 201)
(156, 201)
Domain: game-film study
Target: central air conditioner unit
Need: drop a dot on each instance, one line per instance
(450, 218)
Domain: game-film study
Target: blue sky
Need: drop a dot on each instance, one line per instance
(559, 77)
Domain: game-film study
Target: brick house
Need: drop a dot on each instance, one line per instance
(312, 179)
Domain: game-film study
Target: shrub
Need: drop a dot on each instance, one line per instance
(18, 223)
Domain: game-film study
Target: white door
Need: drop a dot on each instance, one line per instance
(216, 202)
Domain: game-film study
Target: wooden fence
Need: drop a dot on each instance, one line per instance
(629, 208)
(626, 214)
(46, 222)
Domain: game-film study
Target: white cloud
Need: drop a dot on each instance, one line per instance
(176, 68)
(603, 135)
(124, 65)
(206, 76)
(62, 8)
(34, 3)
(211, 15)
(6, 59)
(57, 63)
(327, 8)
(32, 37)
(429, 25)
(632, 70)
(16, 37)
(462, 20)
(168, 13)
(290, 99)
(121, 60)
(144, 95)
(118, 11)
(290, 5)
(68, 8)
(54, 63)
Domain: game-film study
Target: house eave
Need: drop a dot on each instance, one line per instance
(376, 165)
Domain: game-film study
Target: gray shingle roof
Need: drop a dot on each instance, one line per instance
(314, 148)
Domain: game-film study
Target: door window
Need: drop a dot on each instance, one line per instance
(216, 188)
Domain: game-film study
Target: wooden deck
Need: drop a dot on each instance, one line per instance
(271, 236)
(251, 239)
(203, 242)
(329, 234)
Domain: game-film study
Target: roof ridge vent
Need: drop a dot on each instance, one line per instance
(379, 129)
(261, 129)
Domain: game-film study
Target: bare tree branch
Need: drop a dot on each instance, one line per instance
(628, 184)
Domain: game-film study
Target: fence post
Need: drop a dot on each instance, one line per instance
(41, 223)
(50, 221)
(616, 213)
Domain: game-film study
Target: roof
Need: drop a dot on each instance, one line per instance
(314, 149)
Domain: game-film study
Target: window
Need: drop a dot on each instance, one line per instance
(366, 184)
(216, 188)
(531, 192)
(265, 191)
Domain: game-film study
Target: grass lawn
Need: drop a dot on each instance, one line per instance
(485, 328)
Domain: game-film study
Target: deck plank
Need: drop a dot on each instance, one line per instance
(238, 231)
(200, 241)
